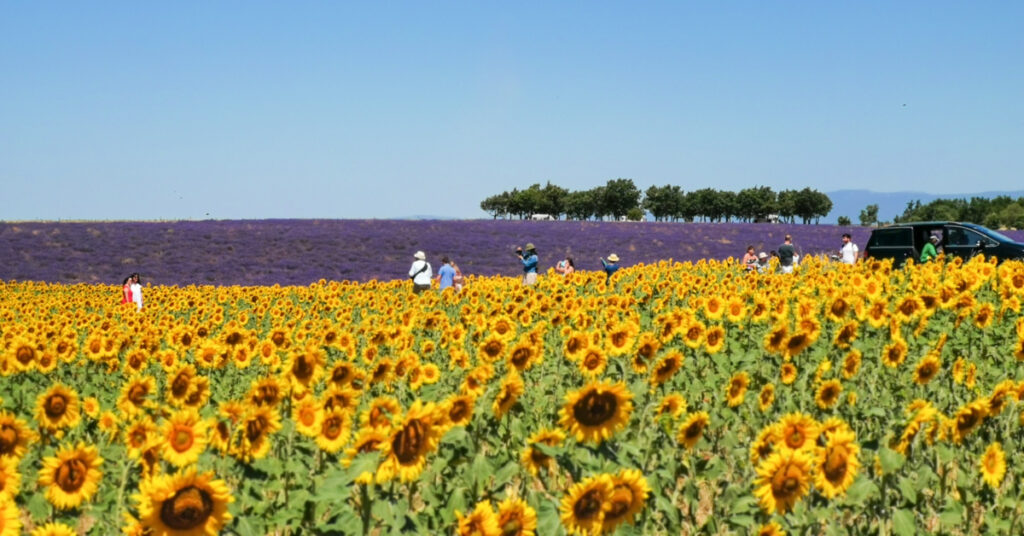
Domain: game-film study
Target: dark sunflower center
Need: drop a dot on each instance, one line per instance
(408, 442)
(340, 374)
(967, 421)
(588, 505)
(592, 361)
(458, 411)
(25, 354)
(302, 369)
(70, 475)
(619, 339)
(835, 465)
(332, 427)
(713, 338)
(786, 482)
(55, 406)
(520, 357)
(369, 446)
(189, 508)
(736, 388)
(179, 387)
(137, 394)
(621, 501)
(595, 408)
(234, 338)
(492, 348)
(795, 439)
(8, 438)
(255, 427)
(511, 527)
(694, 430)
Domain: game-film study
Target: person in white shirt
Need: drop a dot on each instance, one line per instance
(848, 253)
(136, 291)
(420, 273)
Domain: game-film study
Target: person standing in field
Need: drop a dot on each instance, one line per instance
(458, 280)
(529, 259)
(848, 253)
(566, 266)
(610, 267)
(750, 260)
(786, 254)
(136, 291)
(420, 273)
(126, 291)
(928, 252)
(445, 274)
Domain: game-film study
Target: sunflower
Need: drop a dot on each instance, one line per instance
(136, 434)
(736, 389)
(797, 343)
(593, 362)
(765, 443)
(575, 344)
(10, 519)
(788, 373)
(968, 418)
(335, 425)
(184, 437)
(53, 529)
(15, 435)
(775, 340)
(798, 431)
(894, 353)
(184, 504)
(836, 464)
(958, 370)
(457, 410)
(714, 340)
(511, 389)
(993, 465)
(533, 459)
(771, 529)
(596, 411)
(306, 414)
(693, 335)
(672, 404)
(516, 518)
(828, 394)
(10, 479)
(782, 479)
(253, 433)
(927, 369)
(71, 476)
(135, 394)
(646, 347)
(582, 507)
(380, 413)
(304, 367)
(628, 494)
(492, 348)
(413, 436)
(482, 521)
(692, 429)
(851, 364)
(666, 368)
(846, 335)
(766, 397)
(266, 391)
(58, 408)
(366, 441)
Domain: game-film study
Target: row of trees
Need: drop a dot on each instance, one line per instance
(620, 198)
(997, 212)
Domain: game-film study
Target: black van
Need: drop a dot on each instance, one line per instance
(904, 241)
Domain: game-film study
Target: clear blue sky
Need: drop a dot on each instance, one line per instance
(167, 110)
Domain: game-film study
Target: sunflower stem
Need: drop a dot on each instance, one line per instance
(125, 466)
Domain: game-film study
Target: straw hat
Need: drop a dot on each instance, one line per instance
(613, 257)
(762, 255)
(420, 255)
(529, 246)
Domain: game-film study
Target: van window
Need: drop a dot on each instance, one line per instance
(897, 237)
(958, 236)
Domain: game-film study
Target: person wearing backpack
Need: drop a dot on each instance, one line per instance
(420, 273)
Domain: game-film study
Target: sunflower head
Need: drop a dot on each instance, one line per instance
(72, 476)
(782, 480)
(583, 506)
(692, 429)
(598, 410)
(836, 463)
(628, 494)
(184, 503)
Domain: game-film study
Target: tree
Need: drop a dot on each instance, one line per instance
(753, 204)
(635, 214)
(620, 195)
(598, 203)
(787, 205)
(579, 205)
(705, 203)
(843, 220)
(496, 205)
(869, 216)
(663, 202)
(553, 200)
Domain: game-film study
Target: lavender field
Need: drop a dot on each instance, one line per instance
(298, 252)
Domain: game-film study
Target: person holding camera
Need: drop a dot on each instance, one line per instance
(420, 273)
(529, 260)
(750, 260)
(610, 266)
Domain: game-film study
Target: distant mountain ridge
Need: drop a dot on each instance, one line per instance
(849, 203)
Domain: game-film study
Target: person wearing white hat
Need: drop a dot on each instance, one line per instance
(420, 273)
(610, 266)
(529, 259)
(928, 252)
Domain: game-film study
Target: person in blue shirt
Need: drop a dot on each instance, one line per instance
(446, 274)
(529, 260)
(610, 266)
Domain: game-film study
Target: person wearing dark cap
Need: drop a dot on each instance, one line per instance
(610, 266)
(420, 273)
(928, 252)
(529, 260)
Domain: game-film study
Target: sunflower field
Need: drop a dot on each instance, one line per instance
(678, 398)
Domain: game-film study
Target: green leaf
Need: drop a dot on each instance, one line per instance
(270, 465)
(891, 460)
(952, 516)
(38, 507)
(945, 453)
(744, 521)
(908, 489)
(548, 521)
(861, 490)
(744, 504)
(482, 471)
(503, 475)
(903, 523)
(670, 511)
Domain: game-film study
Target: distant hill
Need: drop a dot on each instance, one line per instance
(849, 203)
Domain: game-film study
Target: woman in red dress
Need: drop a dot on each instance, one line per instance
(126, 291)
